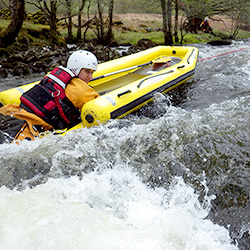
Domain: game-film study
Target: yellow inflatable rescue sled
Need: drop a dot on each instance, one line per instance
(128, 83)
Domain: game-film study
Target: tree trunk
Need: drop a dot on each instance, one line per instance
(69, 24)
(104, 36)
(164, 19)
(110, 33)
(53, 21)
(79, 28)
(169, 15)
(166, 16)
(9, 35)
(51, 17)
(176, 38)
(100, 25)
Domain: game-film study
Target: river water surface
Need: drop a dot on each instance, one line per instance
(174, 176)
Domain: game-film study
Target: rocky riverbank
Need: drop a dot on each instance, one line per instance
(44, 59)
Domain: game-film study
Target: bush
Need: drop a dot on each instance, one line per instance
(5, 14)
(37, 18)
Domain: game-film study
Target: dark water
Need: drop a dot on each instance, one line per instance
(187, 155)
(218, 99)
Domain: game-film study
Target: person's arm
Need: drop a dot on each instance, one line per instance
(78, 92)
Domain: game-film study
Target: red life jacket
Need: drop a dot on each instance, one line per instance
(48, 100)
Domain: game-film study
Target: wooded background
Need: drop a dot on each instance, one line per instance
(178, 16)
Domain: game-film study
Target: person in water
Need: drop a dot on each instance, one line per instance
(205, 26)
(54, 103)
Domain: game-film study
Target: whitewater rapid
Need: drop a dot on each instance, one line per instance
(175, 177)
(108, 210)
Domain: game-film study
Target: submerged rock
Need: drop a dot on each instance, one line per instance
(220, 42)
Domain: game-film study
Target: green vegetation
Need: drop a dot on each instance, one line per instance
(30, 35)
(3, 23)
(134, 36)
(228, 17)
(132, 28)
(145, 26)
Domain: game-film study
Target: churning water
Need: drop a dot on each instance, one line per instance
(173, 176)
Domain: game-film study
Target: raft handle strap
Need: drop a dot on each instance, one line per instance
(182, 66)
(124, 93)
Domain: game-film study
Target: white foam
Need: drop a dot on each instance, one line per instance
(109, 210)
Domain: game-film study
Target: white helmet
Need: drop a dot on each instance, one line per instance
(81, 59)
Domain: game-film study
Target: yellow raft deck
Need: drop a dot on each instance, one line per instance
(128, 83)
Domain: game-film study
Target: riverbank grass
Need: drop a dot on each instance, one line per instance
(129, 32)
